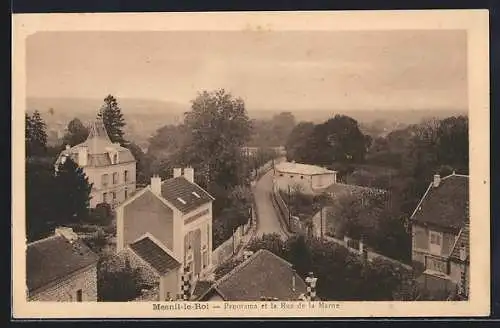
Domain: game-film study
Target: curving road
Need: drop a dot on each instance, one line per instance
(267, 216)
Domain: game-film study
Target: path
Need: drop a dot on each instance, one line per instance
(268, 220)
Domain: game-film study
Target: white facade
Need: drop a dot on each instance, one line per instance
(308, 179)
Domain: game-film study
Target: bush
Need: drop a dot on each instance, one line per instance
(102, 214)
(117, 281)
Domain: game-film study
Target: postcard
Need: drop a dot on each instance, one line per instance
(264, 164)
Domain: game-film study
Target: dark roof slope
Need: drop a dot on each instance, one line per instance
(463, 239)
(179, 187)
(447, 205)
(154, 255)
(264, 274)
(54, 258)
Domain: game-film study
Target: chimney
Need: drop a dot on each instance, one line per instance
(68, 147)
(293, 280)
(437, 180)
(66, 233)
(177, 172)
(83, 156)
(156, 184)
(189, 174)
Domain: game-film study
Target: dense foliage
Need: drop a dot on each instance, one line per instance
(342, 276)
(337, 140)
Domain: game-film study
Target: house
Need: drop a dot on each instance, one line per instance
(261, 276)
(440, 234)
(309, 179)
(61, 268)
(166, 229)
(110, 167)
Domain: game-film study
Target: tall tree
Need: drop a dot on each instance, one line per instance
(39, 199)
(297, 141)
(112, 117)
(77, 133)
(36, 134)
(72, 191)
(218, 127)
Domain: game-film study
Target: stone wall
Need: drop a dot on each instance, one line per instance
(66, 290)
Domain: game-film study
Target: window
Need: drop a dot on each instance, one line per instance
(125, 176)
(435, 242)
(114, 159)
(291, 177)
(126, 193)
(115, 178)
(435, 238)
(104, 180)
(114, 195)
(79, 295)
(281, 174)
(105, 197)
(301, 177)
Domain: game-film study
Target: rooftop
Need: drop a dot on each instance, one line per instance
(154, 255)
(264, 274)
(55, 258)
(98, 147)
(305, 169)
(184, 195)
(446, 205)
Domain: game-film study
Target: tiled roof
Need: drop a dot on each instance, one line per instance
(200, 289)
(183, 194)
(264, 274)
(54, 258)
(447, 205)
(154, 255)
(463, 239)
(297, 168)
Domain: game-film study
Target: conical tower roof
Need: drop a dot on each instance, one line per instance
(98, 130)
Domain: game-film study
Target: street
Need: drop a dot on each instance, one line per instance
(268, 220)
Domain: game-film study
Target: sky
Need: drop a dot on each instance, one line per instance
(327, 70)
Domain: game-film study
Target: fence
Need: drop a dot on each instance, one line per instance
(231, 246)
(292, 223)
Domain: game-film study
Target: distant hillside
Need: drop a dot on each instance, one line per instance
(143, 116)
(363, 116)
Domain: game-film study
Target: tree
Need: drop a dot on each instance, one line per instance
(218, 128)
(117, 281)
(39, 200)
(72, 191)
(144, 162)
(36, 134)
(167, 141)
(77, 133)
(296, 142)
(271, 242)
(112, 117)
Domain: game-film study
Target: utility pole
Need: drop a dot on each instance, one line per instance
(321, 222)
